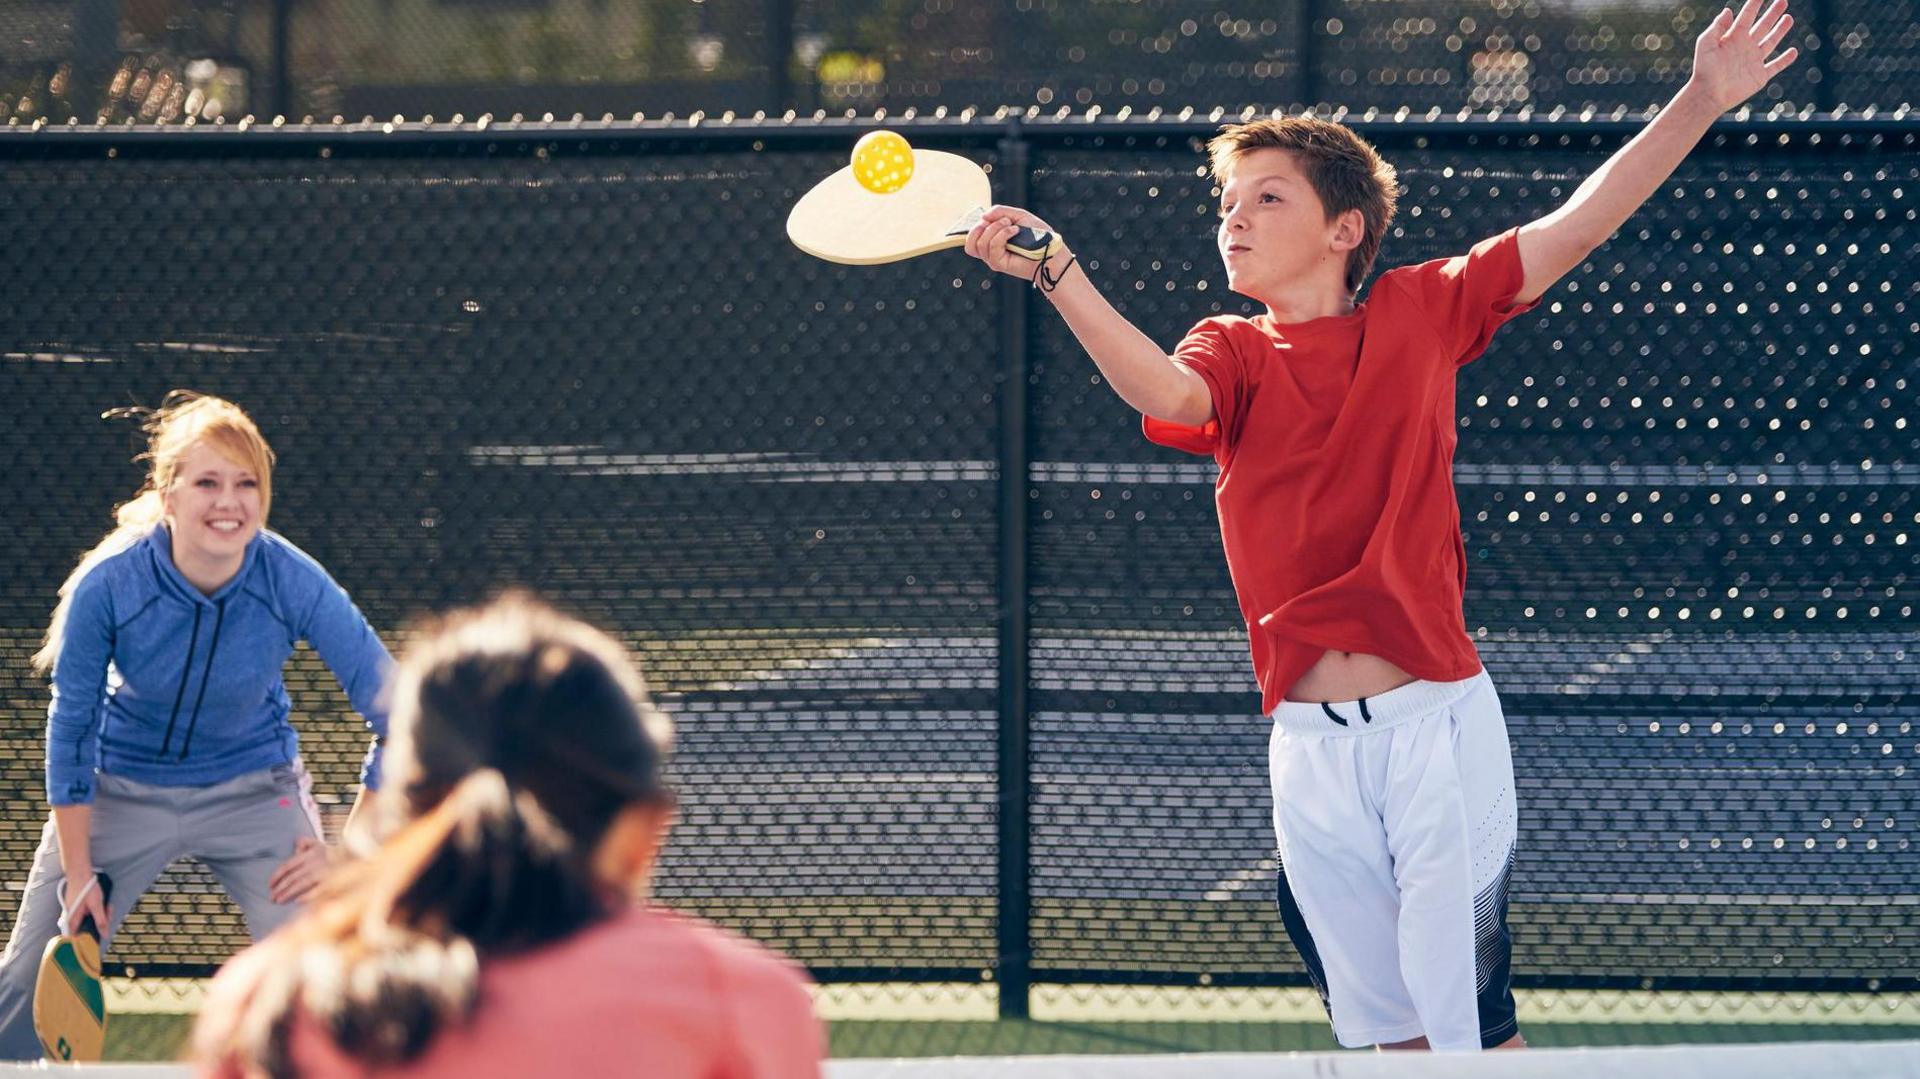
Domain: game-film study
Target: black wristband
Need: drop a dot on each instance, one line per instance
(1047, 282)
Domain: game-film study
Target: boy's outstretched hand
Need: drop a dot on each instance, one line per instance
(1734, 56)
(988, 240)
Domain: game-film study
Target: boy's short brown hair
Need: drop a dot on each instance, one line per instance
(1344, 169)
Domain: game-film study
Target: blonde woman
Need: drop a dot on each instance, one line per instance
(169, 734)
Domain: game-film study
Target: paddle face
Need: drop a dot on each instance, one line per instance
(69, 1003)
(841, 221)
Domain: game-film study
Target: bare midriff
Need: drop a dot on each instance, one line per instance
(1347, 676)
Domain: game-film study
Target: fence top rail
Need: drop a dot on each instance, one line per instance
(1867, 128)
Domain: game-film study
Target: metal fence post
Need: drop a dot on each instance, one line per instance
(96, 50)
(1820, 18)
(1305, 54)
(281, 103)
(1014, 952)
(779, 55)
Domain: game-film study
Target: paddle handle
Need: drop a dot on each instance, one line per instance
(1033, 245)
(85, 925)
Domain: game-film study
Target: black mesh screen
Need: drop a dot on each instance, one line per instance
(1688, 497)
(594, 366)
(167, 60)
(603, 375)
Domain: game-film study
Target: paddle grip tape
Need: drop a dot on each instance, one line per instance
(1030, 244)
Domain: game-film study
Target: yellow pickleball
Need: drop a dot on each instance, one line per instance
(882, 162)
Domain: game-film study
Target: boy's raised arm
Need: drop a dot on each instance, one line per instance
(1732, 59)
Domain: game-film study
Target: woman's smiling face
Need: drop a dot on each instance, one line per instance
(213, 506)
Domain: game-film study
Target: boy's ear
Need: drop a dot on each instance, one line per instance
(1348, 230)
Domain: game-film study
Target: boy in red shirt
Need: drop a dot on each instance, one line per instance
(1333, 426)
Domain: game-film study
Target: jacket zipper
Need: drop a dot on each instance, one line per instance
(206, 673)
(186, 673)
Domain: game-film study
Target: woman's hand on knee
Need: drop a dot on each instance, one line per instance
(299, 875)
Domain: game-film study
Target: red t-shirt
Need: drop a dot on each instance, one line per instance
(1335, 442)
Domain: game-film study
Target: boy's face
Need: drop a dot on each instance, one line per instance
(1274, 234)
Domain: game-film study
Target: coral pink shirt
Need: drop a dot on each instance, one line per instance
(648, 994)
(1335, 443)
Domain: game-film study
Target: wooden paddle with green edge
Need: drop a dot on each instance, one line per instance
(69, 1002)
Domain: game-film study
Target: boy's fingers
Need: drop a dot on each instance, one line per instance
(1011, 214)
(1774, 35)
(984, 241)
(1001, 234)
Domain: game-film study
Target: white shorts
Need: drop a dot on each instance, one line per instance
(1396, 826)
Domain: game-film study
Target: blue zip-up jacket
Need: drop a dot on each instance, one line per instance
(157, 682)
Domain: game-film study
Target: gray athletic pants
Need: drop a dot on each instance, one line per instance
(241, 829)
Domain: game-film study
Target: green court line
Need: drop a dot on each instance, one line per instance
(161, 1036)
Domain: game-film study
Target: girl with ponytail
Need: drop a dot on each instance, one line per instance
(502, 928)
(169, 733)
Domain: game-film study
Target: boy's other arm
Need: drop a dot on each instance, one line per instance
(1730, 64)
(1139, 371)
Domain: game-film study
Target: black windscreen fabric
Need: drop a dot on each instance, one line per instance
(212, 59)
(1689, 501)
(603, 376)
(594, 367)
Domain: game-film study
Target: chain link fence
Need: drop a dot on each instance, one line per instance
(163, 61)
(585, 360)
